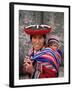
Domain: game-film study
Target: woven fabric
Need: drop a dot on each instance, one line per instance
(48, 62)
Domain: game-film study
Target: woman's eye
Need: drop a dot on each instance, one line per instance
(40, 37)
(29, 63)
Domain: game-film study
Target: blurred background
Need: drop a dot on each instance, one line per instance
(54, 19)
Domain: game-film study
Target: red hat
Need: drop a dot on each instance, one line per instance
(37, 29)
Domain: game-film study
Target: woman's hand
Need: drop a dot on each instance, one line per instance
(28, 66)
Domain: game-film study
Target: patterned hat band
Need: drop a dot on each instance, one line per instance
(37, 29)
(40, 27)
(53, 40)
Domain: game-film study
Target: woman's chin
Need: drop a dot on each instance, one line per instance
(36, 48)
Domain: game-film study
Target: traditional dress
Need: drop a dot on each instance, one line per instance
(47, 63)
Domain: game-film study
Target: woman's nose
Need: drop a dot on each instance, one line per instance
(37, 40)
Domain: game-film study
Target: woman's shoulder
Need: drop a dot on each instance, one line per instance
(46, 48)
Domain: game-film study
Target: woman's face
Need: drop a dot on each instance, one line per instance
(37, 42)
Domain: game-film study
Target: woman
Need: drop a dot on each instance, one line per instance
(44, 61)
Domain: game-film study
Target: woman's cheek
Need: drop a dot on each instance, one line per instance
(42, 42)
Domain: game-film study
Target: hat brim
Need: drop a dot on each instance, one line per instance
(38, 32)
